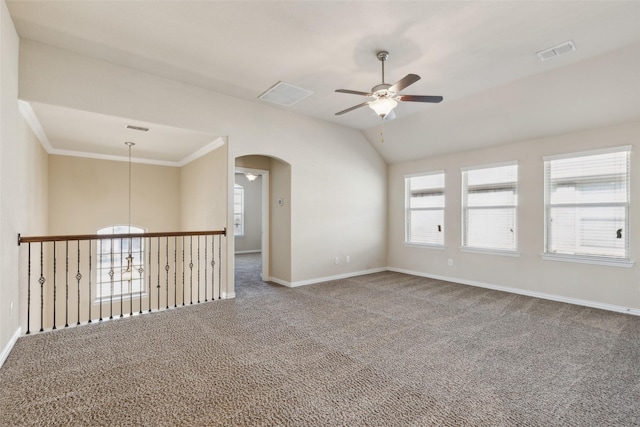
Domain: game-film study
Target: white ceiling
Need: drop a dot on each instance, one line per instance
(479, 55)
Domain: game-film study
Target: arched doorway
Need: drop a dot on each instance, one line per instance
(262, 220)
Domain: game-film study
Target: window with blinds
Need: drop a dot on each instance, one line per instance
(238, 210)
(424, 201)
(489, 207)
(587, 204)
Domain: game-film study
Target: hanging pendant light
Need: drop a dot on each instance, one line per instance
(127, 274)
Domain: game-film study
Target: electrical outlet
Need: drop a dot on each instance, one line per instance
(450, 262)
(337, 260)
(348, 259)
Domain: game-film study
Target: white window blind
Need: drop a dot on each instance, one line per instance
(587, 204)
(238, 210)
(489, 207)
(424, 203)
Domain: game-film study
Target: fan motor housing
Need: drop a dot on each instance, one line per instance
(381, 90)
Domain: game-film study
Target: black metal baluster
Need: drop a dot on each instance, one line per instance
(78, 277)
(183, 271)
(41, 280)
(131, 279)
(175, 271)
(205, 268)
(90, 284)
(158, 285)
(141, 271)
(166, 269)
(28, 288)
(213, 268)
(55, 266)
(111, 274)
(66, 284)
(220, 266)
(149, 297)
(120, 279)
(191, 269)
(100, 290)
(198, 270)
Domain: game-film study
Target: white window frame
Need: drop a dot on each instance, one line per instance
(585, 258)
(118, 263)
(408, 209)
(238, 230)
(464, 246)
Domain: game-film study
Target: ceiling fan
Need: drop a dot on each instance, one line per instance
(386, 96)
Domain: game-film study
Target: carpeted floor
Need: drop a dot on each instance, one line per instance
(385, 349)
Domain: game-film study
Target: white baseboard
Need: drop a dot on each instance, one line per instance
(228, 295)
(551, 297)
(325, 279)
(7, 349)
(252, 251)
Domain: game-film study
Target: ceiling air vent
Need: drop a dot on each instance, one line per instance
(140, 128)
(284, 94)
(558, 50)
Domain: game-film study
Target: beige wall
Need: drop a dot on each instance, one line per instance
(203, 192)
(601, 284)
(338, 181)
(280, 233)
(88, 194)
(23, 190)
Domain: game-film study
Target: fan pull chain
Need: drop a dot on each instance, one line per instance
(382, 132)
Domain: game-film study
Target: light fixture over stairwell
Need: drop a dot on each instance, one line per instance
(127, 274)
(251, 177)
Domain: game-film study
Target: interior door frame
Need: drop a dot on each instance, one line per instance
(265, 242)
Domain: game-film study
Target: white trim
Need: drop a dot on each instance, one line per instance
(35, 125)
(489, 166)
(7, 348)
(252, 251)
(505, 252)
(413, 175)
(571, 155)
(541, 295)
(325, 279)
(228, 295)
(424, 245)
(212, 146)
(588, 260)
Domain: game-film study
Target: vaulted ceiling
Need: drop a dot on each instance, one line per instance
(479, 55)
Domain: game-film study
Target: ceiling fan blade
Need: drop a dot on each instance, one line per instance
(419, 98)
(407, 80)
(353, 92)
(352, 108)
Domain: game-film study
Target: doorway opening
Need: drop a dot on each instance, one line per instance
(251, 224)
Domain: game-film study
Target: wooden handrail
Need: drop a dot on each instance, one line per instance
(75, 237)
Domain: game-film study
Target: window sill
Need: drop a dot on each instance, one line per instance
(500, 252)
(424, 246)
(588, 260)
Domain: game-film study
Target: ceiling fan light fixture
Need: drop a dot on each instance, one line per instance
(383, 106)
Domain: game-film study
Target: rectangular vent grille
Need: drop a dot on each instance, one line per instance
(285, 94)
(140, 128)
(558, 50)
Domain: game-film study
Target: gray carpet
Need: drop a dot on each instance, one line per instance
(385, 349)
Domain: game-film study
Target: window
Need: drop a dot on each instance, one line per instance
(424, 201)
(587, 206)
(238, 210)
(112, 254)
(489, 208)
